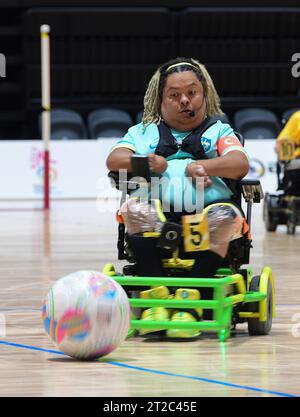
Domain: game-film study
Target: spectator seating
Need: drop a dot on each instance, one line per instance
(256, 123)
(108, 122)
(66, 125)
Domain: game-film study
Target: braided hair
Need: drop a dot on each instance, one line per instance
(154, 92)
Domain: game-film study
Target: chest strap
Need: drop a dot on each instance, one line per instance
(168, 146)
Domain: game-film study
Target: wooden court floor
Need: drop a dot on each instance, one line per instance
(37, 249)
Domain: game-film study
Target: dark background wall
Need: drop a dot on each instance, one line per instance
(103, 53)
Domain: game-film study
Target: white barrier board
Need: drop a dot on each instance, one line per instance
(78, 168)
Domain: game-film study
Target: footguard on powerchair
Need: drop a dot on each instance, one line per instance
(178, 304)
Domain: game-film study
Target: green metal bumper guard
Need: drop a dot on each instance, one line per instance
(222, 304)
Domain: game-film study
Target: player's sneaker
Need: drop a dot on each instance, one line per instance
(157, 293)
(154, 314)
(186, 316)
(189, 294)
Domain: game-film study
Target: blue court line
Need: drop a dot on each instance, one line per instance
(154, 371)
(57, 352)
(210, 381)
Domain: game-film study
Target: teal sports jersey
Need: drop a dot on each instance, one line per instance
(178, 190)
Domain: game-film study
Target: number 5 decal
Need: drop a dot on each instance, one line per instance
(196, 237)
(195, 232)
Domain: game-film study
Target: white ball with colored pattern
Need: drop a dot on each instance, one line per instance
(86, 314)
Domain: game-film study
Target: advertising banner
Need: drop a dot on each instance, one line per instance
(78, 169)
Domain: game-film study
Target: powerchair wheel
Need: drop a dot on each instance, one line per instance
(255, 326)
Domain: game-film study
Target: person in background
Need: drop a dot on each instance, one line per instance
(290, 132)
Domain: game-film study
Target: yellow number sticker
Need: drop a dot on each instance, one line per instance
(195, 232)
(286, 150)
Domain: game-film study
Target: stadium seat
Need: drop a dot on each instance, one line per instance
(66, 125)
(287, 114)
(256, 123)
(108, 123)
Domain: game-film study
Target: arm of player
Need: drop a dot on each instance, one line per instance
(119, 158)
(232, 163)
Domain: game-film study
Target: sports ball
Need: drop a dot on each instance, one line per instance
(86, 314)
